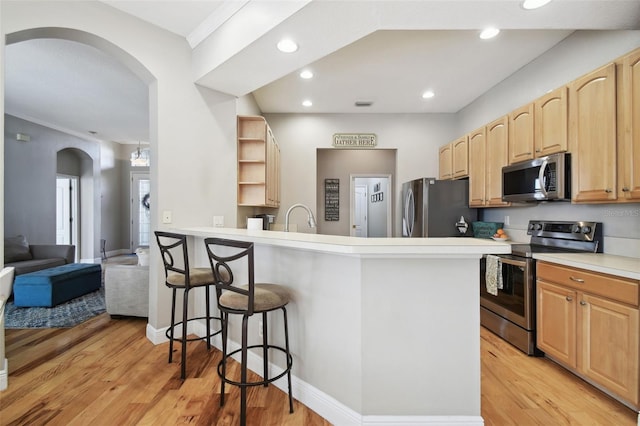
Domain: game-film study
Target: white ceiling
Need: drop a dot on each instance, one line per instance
(386, 52)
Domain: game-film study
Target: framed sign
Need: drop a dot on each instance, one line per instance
(355, 140)
(332, 200)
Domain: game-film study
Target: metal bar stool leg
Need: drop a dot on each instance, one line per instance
(243, 373)
(265, 349)
(208, 319)
(286, 342)
(225, 319)
(185, 303)
(173, 321)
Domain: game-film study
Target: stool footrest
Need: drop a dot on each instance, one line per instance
(262, 382)
(192, 339)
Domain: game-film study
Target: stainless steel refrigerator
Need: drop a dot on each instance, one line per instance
(436, 208)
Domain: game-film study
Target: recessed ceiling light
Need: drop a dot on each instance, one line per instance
(488, 33)
(534, 4)
(428, 94)
(307, 103)
(287, 45)
(306, 74)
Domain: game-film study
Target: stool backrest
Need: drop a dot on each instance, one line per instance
(224, 255)
(173, 250)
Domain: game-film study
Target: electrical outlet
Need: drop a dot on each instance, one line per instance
(506, 221)
(218, 221)
(166, 216)
(260, 328)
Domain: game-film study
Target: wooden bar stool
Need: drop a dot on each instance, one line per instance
(179, 276)
(246, 299)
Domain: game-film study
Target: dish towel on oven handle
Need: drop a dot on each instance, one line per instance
(493, 274)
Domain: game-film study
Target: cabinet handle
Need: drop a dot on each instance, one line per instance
(527, 153)
(569, 298)
(608, 190)
(537, 150)
(578, 280)
(583, 303)
(625, 189)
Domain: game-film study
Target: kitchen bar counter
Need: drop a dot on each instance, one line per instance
(381, 329)
(627, 267)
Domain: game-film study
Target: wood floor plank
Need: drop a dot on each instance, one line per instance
(106, 372)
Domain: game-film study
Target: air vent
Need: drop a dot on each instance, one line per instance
(363, 103)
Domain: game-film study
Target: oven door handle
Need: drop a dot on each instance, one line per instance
(520, 263)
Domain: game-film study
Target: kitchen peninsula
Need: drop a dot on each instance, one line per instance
(382, 330)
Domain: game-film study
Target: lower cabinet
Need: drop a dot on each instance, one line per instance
(590, 323)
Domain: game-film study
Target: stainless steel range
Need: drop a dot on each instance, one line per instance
(509, 308)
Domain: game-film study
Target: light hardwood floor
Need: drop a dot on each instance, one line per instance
(105, 372)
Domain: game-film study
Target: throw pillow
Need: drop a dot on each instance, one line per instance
(16, 249)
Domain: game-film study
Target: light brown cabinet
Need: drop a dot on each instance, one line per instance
(453, 159)
(477, 167)
(496, 157)
(445, 162)
(521, 134)
(590, 323)
(551, 123)
(592, 135)
(258, 163)
(629, 127)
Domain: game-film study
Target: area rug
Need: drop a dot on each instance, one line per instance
(65, 315)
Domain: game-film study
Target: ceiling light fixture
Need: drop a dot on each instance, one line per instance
(307, 103)
(488, 33)
(428, 94)
(306, 74)
(287, 45)
(534, 4)
(140, 157)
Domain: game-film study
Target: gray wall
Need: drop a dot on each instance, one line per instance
(30, 171)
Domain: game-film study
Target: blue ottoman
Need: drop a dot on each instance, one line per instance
(50, 287)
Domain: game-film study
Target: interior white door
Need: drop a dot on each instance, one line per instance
(359, 228)
(140, 212)
(67, 219)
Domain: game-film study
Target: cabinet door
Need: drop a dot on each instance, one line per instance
(629, 141)
(608, 343)
(550, 123)
(592, 135)
(497, 147)
(556, 322)
(477, 168)
(445, 162)
(521, 134)
(460, 150)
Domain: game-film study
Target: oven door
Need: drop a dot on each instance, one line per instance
(515, 300)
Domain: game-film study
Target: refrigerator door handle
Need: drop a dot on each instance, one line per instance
(409, 212)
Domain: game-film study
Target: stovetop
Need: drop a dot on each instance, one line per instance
(561, 237)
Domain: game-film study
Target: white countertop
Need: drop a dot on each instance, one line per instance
(405, 247)
(628, 267)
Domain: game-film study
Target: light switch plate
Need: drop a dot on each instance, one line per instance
(218, 221)
(166, 216)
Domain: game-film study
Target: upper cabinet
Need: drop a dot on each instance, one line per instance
(550, 123)
(592, 135)
(496, 158)
(539, 128)
(629, 127)
(477, 167)
(460, 161)
(445, 162)
(454, 159)
(521, 134)
(258, 163)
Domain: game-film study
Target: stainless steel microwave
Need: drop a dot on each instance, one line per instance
(541, 179)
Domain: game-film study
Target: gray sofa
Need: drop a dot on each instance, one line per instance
(25, 257)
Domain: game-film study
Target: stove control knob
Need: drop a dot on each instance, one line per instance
(538, 226)
(577, 228)
(586, 229)
(532, 226)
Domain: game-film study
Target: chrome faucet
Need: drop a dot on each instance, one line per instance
(311, 220)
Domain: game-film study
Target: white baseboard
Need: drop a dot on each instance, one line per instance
(326, 406)
(4, 375)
